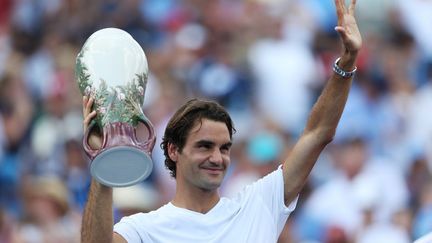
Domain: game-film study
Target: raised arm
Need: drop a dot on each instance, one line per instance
(321, 125)
(97, 223)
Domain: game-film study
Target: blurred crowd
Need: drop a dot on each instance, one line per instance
(266, 61)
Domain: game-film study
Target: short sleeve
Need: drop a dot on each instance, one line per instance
(270, 189)
(128, 228)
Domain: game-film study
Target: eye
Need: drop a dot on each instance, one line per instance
(225, 149)
(204, 146)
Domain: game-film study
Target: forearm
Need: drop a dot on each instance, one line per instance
(321, 126)
(319, 130)
(97, 225)
(328, 109)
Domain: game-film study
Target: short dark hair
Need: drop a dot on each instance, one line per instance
(185, 118)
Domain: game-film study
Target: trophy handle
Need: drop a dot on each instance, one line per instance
(150, 142)
(89, 150)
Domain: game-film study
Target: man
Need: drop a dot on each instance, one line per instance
(197, 145)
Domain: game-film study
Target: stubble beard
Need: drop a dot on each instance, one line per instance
(208, 183)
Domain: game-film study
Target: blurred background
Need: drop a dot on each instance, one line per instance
(266, 61)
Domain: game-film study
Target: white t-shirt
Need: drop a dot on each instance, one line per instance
(257, 214)
(425, 239)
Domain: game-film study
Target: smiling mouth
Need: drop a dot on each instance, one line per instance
(213, 170)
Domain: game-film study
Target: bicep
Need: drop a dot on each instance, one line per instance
(117, 238)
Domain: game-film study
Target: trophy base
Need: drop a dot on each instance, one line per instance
(121, 166)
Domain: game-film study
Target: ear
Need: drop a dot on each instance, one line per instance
(173, 152)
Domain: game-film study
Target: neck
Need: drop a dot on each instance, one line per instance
(195, 199)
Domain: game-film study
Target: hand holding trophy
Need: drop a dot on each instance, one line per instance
(111, 71)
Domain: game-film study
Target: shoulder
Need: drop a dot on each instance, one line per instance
(146, 218)
(245, 183)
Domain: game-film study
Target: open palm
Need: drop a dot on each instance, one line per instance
(347, 26)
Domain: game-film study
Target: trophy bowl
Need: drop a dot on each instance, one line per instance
(112, 69)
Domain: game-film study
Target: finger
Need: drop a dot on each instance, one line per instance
(342, 32)
(92, 114)
(85, 100)
(352, 7)
(89, 106)
(88, 118)
(340, 7)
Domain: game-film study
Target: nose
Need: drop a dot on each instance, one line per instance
(216, 157)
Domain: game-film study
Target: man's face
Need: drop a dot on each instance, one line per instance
(205, 157)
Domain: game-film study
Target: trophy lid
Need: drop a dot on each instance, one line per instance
(111, 55)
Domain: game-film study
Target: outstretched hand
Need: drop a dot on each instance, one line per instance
(347, 26)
